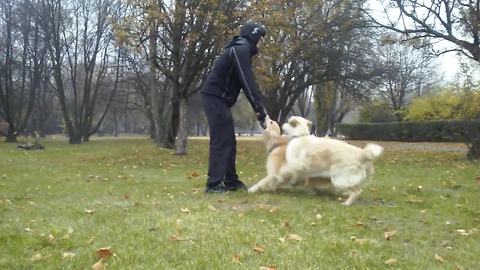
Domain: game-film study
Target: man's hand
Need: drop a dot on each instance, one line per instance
(261, 119)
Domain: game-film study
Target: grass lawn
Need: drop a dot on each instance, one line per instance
(60, 205)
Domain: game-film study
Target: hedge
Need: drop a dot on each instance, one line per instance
(426, 131)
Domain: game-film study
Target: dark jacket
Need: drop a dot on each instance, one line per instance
(231, 72)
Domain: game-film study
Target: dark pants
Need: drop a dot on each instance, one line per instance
(223, 144)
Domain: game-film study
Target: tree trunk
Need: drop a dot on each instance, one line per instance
(172, 128)
(324, 98)
(182, 134)
(474, 150)
(153, 85)
(75, 138)
(11, 136)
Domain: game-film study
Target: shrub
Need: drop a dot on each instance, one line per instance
(376, 112)
(446, 105)
(431, 131)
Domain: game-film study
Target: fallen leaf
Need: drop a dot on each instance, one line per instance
(105, 252)
(388, 235)
(414, 200)
(176, 238)
(185, 210)
(391, 261)
(295, 237)
(68, 255)
(258, 249)
(438, 258)
(281, 239)
(90, 241)
(212, 208)
(273, 209)
(51, 239)
(27, 229)
(36, 257)
(99, 265)
(268, 268)
(359, 224)
(478, 178)
(319, 216)
(236, 258)
(194, 174)
(89, 211)
(287, 225)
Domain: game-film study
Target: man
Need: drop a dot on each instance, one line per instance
(231, 72)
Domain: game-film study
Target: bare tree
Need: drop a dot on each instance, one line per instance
(454, 21)
(407, 73)
(80, 40)
(21, 68)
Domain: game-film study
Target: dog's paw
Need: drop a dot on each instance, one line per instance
(252, 189)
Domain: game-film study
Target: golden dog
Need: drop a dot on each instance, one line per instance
(319, 162)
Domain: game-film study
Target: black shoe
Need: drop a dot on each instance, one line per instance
(235, 185)
(219, 188)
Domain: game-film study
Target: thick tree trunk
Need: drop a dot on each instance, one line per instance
(182, 134)
(11, 136)
(474, 150)
(75, 138)
(324, 99)
(172, 128)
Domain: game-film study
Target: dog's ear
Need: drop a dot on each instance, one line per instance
(292, 122)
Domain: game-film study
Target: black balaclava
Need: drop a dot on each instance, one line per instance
(253, 31)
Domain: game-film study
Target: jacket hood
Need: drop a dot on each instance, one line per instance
(253, 31)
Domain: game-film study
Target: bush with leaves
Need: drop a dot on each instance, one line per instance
(449, 104)
(376, 112)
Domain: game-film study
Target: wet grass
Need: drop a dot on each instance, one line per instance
(148, 206)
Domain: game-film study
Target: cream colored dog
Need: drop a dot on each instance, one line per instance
(316, 159)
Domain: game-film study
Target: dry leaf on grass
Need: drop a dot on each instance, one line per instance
(185, 210)
(212, 208)
(104, 252)
(359, 224)
(51, 239)
(90, 241)
(36, 257)
(89, 211)
(389, 234)
(258, 249)
(99, 265)
(438, 258)
(391, 261)
(273, 210)
(413, 200)
(176, 238)
(268, 268)
(287, 225)
(236, 258)
(295, 237)
(67, 255)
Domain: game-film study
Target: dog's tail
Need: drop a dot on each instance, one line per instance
(372, 151)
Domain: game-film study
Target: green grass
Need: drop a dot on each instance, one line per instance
(150, 209)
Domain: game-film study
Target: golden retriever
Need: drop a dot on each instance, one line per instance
(317, 161)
